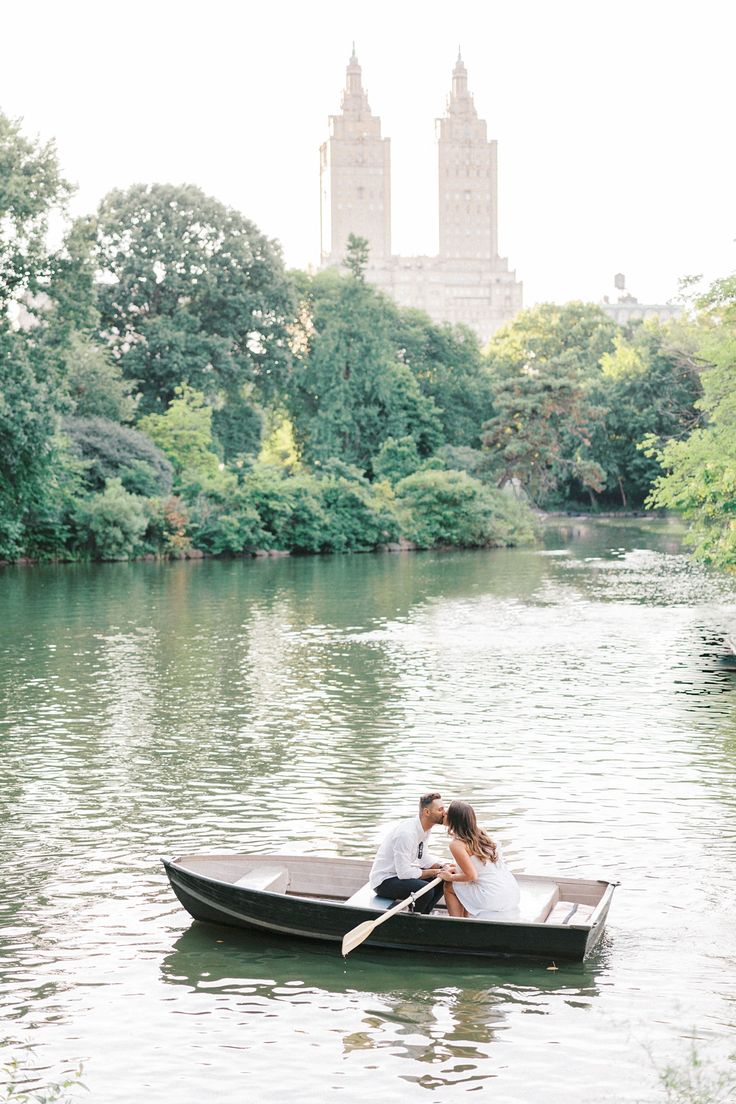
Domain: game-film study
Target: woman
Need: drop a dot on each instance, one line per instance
(482, 885)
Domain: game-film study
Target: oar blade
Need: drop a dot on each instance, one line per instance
(356, 936)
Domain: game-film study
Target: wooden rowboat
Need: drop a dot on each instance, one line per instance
(324, 898)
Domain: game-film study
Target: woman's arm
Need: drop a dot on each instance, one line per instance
(461, 855)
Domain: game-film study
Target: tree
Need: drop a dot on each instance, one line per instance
(649, 386)
(349, 391)
(184, 434)
(28, 421)
(109, 451)
(447, 364)
(191, 293)
(356, 258)
(396, 459)
(699, 477)
(31, 186)
(93, 381)
(544, 365)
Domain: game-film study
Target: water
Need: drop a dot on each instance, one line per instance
(571, 692)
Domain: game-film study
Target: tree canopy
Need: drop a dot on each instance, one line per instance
(190, 292)
(167, 388)
(544, 365)
(349, 391)
(699, 477)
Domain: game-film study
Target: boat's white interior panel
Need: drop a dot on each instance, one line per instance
(269, 879)
(538, 898)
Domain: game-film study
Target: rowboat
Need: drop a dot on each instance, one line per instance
(322, 898)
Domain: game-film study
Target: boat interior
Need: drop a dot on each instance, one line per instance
(544, 900)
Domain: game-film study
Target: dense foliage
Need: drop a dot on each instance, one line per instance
(168, 389)
(699, 476)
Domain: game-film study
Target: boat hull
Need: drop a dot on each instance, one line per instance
(300, 917)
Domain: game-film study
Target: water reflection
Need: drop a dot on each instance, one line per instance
(448, 1011)
(572, 692)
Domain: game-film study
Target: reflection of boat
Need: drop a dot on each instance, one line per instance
(323, 898)
(224, 960)
(729, 659)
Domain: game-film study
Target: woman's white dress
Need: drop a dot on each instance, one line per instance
(495, 894)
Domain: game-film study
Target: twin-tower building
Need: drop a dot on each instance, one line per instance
(468, 281)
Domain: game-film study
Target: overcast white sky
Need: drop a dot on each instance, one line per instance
(615, 121)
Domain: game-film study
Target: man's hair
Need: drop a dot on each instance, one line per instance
(426, 800)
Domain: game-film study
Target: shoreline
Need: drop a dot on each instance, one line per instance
(392, 547)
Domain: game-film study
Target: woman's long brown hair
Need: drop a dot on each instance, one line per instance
(463, 825)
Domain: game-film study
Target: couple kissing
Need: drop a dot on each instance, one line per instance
(476, 884)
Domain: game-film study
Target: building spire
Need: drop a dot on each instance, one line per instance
(354, 95)
(459, 77)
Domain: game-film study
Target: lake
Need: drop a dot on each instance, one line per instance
(571, 692)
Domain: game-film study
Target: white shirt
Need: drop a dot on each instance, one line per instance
(403, 853)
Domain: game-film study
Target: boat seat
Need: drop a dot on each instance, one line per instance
(267, 879)
(367, 898)
(538, 898)
(569, 912)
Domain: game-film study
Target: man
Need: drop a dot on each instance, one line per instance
(403, 865)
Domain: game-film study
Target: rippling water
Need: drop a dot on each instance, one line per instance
(572, 693)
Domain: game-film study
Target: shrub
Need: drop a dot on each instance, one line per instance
(115, 522)
(225, 523)
(360, 515)
(168, 524)
(450, 507)
(112, 451)
(291, 510)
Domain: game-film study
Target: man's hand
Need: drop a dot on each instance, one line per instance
(437, 870)
(430, 872)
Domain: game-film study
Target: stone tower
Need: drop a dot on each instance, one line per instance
(355, 176)
(467, 283)
(467, 177)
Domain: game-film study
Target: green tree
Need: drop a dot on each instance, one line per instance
(360, 514)
(349, 391)
(544, 366)
(397, 459)
(184, 434)
(191, 293)
(108, 451)
(356, 258)
(31, 186)
(699, 477)
(648, 387)
(93, 380)
(446, 362)
(28, 422)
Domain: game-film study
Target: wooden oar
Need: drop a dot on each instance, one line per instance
(356, 936)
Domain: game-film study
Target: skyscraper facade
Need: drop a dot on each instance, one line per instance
(467, 282)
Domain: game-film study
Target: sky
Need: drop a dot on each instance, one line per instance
(614, 121)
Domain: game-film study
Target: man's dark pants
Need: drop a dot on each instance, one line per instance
(399, 888)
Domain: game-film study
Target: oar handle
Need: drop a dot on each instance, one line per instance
(402, 904)
(356, 936)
